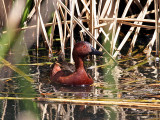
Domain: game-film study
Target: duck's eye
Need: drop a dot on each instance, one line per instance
(84, 46)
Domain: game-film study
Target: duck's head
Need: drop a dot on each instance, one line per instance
(82, 49)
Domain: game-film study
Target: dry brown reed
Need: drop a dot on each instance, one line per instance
(107, 18)
(102, 18)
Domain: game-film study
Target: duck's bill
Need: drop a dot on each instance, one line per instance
(96, 52)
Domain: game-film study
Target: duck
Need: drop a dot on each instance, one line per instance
(79, 76)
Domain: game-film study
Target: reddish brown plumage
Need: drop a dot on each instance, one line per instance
(79, 77)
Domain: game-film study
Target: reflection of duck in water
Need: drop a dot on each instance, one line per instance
(79, 76)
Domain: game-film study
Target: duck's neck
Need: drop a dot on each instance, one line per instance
(78, 63)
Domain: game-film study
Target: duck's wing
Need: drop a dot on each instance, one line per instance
(56, 77)
(64, 64)
(67, 66)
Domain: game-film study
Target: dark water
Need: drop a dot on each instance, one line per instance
(134, 78)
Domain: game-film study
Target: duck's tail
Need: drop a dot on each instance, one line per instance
(56, 68)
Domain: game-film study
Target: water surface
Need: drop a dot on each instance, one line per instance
(133, 78)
